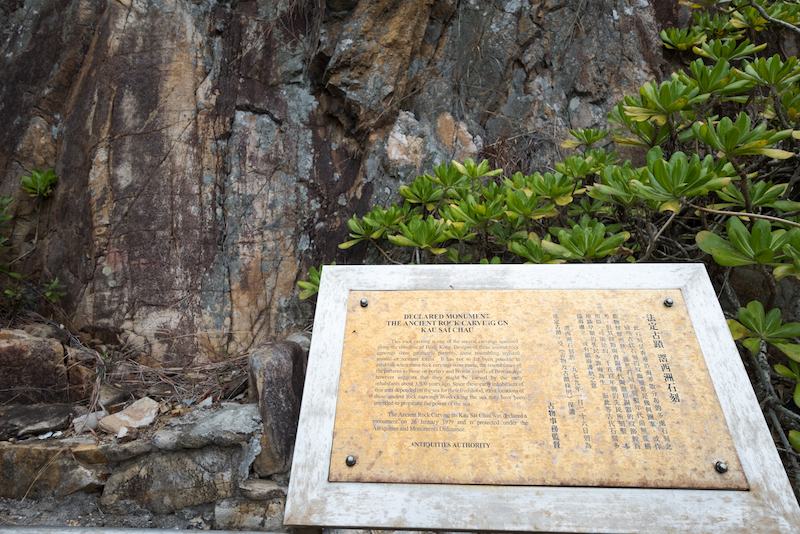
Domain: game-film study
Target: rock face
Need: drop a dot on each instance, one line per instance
(209, 153)
(20, 421)
(277, 370)
(193, 477)
(32, 369)
(50, 469)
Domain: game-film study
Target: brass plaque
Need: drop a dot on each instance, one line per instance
(552, 388)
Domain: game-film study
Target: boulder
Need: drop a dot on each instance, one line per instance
(243, 514)
(88, 422)
(51, 469)
(23, 420)
(225, 426)
(32, 369)
(164, 481)
(139, 414)
(277, 374)
(45, 330)
(262, 490)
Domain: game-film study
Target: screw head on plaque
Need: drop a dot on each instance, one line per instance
(721, 467)
(350, 461)
(668, 303)
(364, 303)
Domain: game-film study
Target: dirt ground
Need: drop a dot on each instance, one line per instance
(83, 510)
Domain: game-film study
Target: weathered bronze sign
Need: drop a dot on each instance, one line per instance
(531, 387)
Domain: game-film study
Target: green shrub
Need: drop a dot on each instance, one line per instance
(714, 188)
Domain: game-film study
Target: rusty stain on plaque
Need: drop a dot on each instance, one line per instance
(554, 388)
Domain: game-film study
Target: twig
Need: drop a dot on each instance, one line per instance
(793, 417)
(384, 253)
(779, 22)
(773, 286)
(745, 214)
(785, 442)
(732, 297)
(43, 469)
(653, 241)
(763, 367)
(762, 373)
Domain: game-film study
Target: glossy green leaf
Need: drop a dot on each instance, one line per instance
(785, 372)
(792, 350)
(794, 437)
(738, 330)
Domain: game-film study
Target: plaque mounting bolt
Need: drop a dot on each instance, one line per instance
(668, 303)
(364, 303)
(350, 461)
(721, 467)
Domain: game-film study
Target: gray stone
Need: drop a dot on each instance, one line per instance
(278, 371)
(262, 490)
(119, 452)
(32, 369)
(242, 514)
(139, 414)
(224, 426)
(303, 339)
(162, 482)
(87, 422)
(47, 331)
(110, 395)
(20, 421)
(251, 452)
(50, 469)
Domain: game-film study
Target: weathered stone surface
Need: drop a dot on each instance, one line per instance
(163, 482)
(242, 514)
(50, 469)
(20, 421)
(139, 414)
(211, 152)
(88, 422)
(46, 331)
(262, 490)
(303, 339)
(31, 369)
(109, 395)
(119, 452)
(225, 426)
(277, 370)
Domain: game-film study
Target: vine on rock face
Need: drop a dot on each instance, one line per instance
(721, 182)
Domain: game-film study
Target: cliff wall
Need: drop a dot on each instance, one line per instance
(210, 153)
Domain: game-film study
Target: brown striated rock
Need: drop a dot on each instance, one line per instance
(370, 62)
(277, 373)
(31, 369)
(242, 514)
(51, 469)
(209, 153)
(262, 490)
(46, 331)
(167, 481)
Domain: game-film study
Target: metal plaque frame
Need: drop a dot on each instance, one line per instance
(769, 506)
